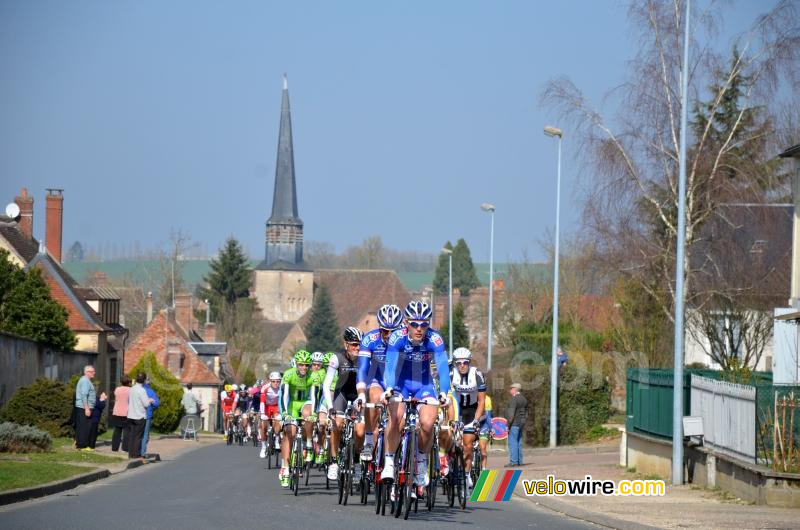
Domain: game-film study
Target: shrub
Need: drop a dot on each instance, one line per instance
(44, 404)
(169, 390)
(16, 438)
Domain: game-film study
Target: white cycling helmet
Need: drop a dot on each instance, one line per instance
(274, 375)
(462, 354)
(317, 357)
(235, 387)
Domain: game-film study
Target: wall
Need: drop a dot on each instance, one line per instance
(22, 361)
(283, 296)
(13, 256)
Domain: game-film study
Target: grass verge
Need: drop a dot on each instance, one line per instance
(15, 475)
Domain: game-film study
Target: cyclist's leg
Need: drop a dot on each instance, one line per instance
(394, 425)
(308, 426)
(427, 416)
(339, 406)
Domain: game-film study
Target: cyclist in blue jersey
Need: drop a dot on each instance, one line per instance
(408, 372)
(371, 365)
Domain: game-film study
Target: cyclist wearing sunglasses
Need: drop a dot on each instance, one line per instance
(371, 366)
(342, 365)
(408, 373)
(298, 399)
(318, 379)
(469, 387)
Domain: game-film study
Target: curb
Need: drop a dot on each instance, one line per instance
(582, 514)
(24, 494)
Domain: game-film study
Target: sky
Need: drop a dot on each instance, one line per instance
(161, 116)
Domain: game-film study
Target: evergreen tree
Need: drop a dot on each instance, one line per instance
(441, 278)
(27, 309)
(75, 252)
(228, 280)
(322, 330)
(460, 334)
(168, 388)
(464, 277)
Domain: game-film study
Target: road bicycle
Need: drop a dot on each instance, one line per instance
(296, 460)
(457, 478)
(346, 455)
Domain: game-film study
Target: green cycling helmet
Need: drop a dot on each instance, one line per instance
(302, 357)
(326, 360)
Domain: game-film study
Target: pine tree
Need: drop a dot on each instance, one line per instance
(228, 280)
(441, 277)
(27, 309)
(464, 277)
(322, 330)
(460, 334)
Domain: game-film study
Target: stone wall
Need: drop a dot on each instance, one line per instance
(283, 296)
(22, 361)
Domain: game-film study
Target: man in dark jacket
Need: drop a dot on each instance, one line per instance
(517, 414)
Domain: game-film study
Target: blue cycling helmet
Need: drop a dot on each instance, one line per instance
(418, 310)
(389, 317)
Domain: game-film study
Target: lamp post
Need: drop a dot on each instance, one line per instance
(486, 207)
(555, 132)
(449, 253)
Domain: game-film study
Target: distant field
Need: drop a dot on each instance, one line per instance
(149, 272)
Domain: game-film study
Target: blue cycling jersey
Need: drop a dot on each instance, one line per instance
(407, 362)
(371, 358)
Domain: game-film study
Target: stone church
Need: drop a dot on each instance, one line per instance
(284, 283)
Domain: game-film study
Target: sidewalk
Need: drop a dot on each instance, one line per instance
(682, 506)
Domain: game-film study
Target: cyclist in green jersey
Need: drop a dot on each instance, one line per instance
(318, 376)
(298, 400)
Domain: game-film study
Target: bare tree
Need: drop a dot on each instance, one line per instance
(631, 211)
(171, 265)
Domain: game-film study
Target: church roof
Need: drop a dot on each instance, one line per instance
(284, 198)
(357, 292)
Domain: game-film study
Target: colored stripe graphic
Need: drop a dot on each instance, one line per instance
(487, 486)
(476, 491)
(511, 485)
(503, 485)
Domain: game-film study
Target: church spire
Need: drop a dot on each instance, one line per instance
(284, 235)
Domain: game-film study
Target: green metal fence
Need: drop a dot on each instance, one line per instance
(649, 398)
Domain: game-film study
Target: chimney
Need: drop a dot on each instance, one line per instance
(210, 332)
(184, 314)
(25, 203)
(149, 307)
(54, 222)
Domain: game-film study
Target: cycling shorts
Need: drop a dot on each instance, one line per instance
(417, 390)
(467, 417)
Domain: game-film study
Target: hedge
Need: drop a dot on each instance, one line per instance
(16, 438)
(169, 390)
(44, 404)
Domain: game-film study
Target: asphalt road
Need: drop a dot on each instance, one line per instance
(218, 487)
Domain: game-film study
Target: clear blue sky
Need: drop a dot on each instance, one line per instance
(156, 115)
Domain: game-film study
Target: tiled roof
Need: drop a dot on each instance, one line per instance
(357, 292)
(26, 247)
(209, 348)
(64, 290)
(157, 336)
(276, 333)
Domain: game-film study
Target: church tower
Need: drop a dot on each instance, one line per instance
(283, 283)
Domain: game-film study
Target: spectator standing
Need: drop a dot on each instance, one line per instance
(517, 416)
(138, 401)
(97, 413)
(119, 416)
(154, 403)
(191, 403)
(85, 398)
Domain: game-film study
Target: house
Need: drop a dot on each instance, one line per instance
(189, 360)
(93, 313)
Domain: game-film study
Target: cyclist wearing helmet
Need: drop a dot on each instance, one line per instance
(318, 376)
(240, 406)
(343, 365)
(469, 388)
(268, 408)
(408, 373)
(371, 365)
(298, 400)
(227, 397)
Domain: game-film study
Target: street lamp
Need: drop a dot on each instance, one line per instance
(555, 132)
(449, 253)
(486, 207)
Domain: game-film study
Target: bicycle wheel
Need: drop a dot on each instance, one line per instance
(433, 473)
(461, 482)
(298, 463)
(450, 482)
(398, 500)
(378, 497)
(410, 467)
(347, 471)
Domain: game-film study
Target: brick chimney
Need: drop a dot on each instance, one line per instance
(54, 222)
(184, 315)
(25, 203)
(210, 332)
